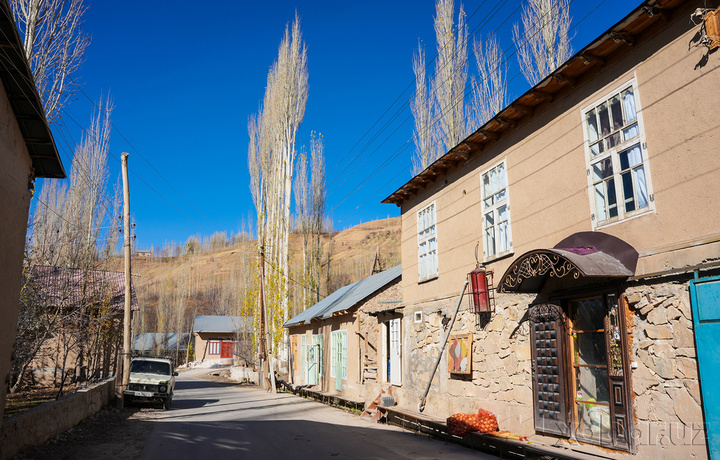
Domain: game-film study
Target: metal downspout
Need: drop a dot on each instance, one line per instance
(421, 404)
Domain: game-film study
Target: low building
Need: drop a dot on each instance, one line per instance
(222, 338)
(349, 342)
(171, 344)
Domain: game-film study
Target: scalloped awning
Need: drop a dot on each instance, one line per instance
(584, 254)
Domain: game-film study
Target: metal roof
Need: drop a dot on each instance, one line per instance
(346, 297)
(169, 341)
(583, 254)
(230, 324)
(637, 27)
(69, 287)
(19, 84)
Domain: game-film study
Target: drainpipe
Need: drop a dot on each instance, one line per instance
(421, 404)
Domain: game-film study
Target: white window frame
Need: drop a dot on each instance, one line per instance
(214, 347)
(338, 338)
(611, 155)
(490, 204)
(427, 242)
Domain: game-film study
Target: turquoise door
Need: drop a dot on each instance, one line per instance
(705, 299)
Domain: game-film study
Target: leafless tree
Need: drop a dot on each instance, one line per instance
(544, 43)
(451, 71)
(271, 162)
(438, 104)
(54, 46)
(421, 107)
(489, 89)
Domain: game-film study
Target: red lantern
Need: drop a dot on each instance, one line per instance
(480, 295)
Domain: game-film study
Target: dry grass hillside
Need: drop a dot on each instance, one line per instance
(172, 290)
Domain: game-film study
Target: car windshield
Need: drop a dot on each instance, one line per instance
(151, 367)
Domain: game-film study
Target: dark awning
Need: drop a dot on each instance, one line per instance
(584, 254)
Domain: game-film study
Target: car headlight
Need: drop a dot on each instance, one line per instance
(163, 388)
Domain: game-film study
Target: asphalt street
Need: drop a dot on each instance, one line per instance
(216, 420)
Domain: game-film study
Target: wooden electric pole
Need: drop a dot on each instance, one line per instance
(265, 337)
(128, 292)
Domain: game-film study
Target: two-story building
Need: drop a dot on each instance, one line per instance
(593, 199)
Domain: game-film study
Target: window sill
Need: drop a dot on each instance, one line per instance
(498, 257)
(615, 221)
(428, 279)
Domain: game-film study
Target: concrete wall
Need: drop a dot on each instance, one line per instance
(15, 167)
(41, 423)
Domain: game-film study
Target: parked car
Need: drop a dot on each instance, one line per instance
(151, 380)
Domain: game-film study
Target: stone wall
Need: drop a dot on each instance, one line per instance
(41, 423)
(500, 379)
(667, 413)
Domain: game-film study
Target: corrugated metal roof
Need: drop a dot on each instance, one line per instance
(346, 297)
(68, 287)
(168, 341)
(208, 323)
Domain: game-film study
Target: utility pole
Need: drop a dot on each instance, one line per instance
(265, 338)
(128, 281)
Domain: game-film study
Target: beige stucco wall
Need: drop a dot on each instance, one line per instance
(15, 169)
(546, 167)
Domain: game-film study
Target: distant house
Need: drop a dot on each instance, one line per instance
(171, 344)
(594, 199)
(349, 342)
(222, 337)
(27, 151)
(78, 302)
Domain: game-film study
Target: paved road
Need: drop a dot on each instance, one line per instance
(216, 420)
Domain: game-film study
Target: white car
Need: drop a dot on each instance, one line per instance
(151, 379)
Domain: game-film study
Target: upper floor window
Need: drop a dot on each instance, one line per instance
(618, 174)
(496, 211)
(427, 243)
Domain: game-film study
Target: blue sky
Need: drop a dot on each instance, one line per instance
(186, 78)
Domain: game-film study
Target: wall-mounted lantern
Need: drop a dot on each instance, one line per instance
(482, 299)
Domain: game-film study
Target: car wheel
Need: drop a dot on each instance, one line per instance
(166, 402)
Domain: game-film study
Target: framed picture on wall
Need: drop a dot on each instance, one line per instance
(460, 354)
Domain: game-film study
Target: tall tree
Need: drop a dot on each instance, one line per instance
(421, 106)
(271, 162)
(440, 114)
(489, 89)
(544, 43)
(54, 46)
(451, 71)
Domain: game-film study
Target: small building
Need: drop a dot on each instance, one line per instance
(27, 151)
(171, 344)
(594, 201)
(77, 306)
(349, 342)
(223, 338)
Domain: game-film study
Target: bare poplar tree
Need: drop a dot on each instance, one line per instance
(544, 43)
(271, 161)
(54, 46)
(451, 71)
(319, 206)
(421, 107)
(439, 113)
(489, 89)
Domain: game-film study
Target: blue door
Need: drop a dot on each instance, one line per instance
(705, 299)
